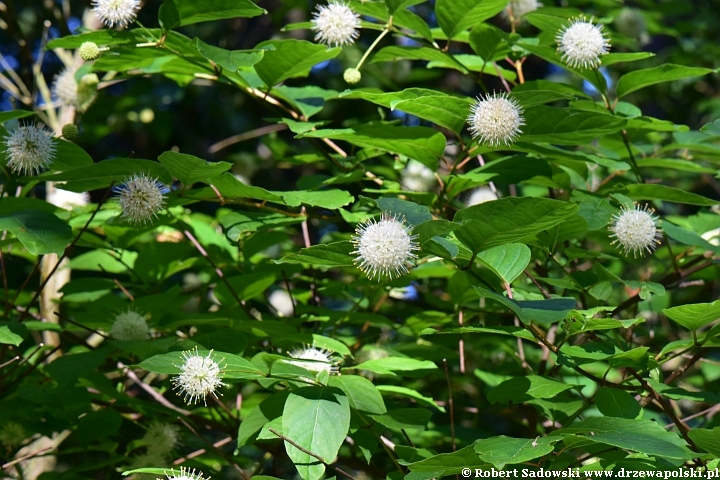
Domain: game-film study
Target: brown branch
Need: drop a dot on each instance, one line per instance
(308, 452)
(451, 408)
(241, 137)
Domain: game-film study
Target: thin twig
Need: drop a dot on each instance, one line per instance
(211, 445)
(151, 391)
(241, 137)
(314, 455)
(461, 344)
(451, 408)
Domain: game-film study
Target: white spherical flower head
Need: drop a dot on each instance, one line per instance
(336, 24)
(635, 230)
(384, 248)
(186, 474)
(282, 302)
(140, 198)
(161, 438)
(582, 44)
(116, 12)
(199, 377)
(130, 326)
(29, 149)
(316, 360)
(417, 177)
(481, 195)
(496, 119)
(65, 88)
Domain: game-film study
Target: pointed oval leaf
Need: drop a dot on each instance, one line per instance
(694, 316)
(668, 72)
(39, 231)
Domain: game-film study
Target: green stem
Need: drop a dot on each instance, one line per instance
(374, 44)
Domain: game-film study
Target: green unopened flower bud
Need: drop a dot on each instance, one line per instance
(70, 131)
(89, 80)
(89, 51)
(352, 76)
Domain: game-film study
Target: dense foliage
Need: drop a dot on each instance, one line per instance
(373, 239)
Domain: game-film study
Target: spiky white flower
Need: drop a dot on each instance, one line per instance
(161, 438)
(67, 199)
(635, 230)
(130, 326)
(384, 248)
(496, 119)
(582, 43)
(186, 474)
(29, 149)
(416, 177)
(315, 359)
(116, 12)
(282, 302)
(520, 8)
(199, 377)
(481, 195)
(140, 198)
(65, 88)
(336, 24)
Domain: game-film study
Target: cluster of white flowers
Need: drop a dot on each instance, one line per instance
(496, 119)
(635, 230)
(384, 248)
(141, 198)
(315, 359)
(69, 93)
(582, 43)
(160, 438)
(186, 474)
(199, 377)
(29, 149)
(119, 13)
(481, 195)
(282, 302)
(336, 25)
(130, 326)
(520, 8)
(416, 177)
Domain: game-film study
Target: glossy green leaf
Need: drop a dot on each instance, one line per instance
(39, 231)
(645, 191)
(413, 213)
(521, 389)
(445, 464)
(404, 418)
(336, 254)
(507, 261)
(330, 199)
(564, 126)
(509, 220)
(102, 174)
(177, 13)
(668, 72)
(291, 58)
(440, 108)
(613, 402)
(268, 410)
(190, 169)
(9, 337)
(708, 440)
(421, 143)
(361, 393)
(542, 311)
(232, 60)
(454, 16)
(427, 54)
(317, 419)
(391, 365)
(502, 450)
(694, 316)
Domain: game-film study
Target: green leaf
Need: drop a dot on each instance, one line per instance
(446, 464)
(485, 40)
(330, 199)
(102, 174)
(231, 187)
(8, 337)
(104, 37)
(39, 231)
(566, 126)
(413, 213)
(427, 54)
(231, 366)
(421, 143)
(708, 440)
(268, 410)
(317, 419)
(613, 402)
(687, 237)
(69, 156)
(153, 471)
(361, 393)
(409, 392)
(521, 389)
(404, 418)
(291, 58)
(13, 114)
(542, 311)
(509, 220)
(644, 191)
(246, 287)
(440, 108)
(694, 316)
(178, 13)
(668, 72)
(643, 436)
(336, 254)
(502, 450)
(454, 16)
(190, 169)
(390, 365)
(507, 261)
(232, 60)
